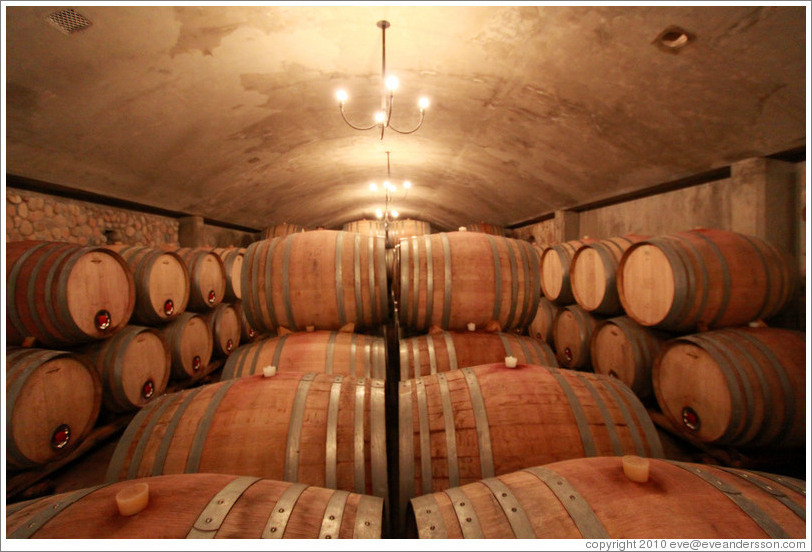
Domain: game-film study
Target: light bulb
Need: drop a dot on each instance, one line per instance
(373, 187)
(423, 103)
(378, 213)
(380, 117)
(387, 185)
(394, 214)
(392, 187)
(407, 184)
(341, 95)
(392, 83)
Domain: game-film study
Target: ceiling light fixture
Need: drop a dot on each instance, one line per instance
(386, 213)
(383, 117)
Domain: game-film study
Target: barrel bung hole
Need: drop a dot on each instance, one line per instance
(690, 418)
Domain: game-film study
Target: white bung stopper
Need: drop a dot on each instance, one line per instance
(636, 468)
(268, 371)
(510, 361)
(132, 499)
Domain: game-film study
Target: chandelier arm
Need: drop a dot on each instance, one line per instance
(389, 107)
(415, 129)
(343, 116)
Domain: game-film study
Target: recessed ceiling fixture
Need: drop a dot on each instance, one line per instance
(383, 118)
(389, 189)
(673, 39)
(69, 21)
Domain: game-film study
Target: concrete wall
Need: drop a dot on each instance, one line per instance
(763, 197)
(37, 216)
(705, 205)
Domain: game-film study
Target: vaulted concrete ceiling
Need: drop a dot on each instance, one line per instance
(230, 112)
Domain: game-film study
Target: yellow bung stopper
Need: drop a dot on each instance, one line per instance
(636, 468)
(132, 499)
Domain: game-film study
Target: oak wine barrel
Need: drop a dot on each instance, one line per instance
(207, 275)
(281, 230)
(593, 272)
(196, 505)
(224, 323)
(64, 293)
(323, 278)
(572, 331)
(555, 270)
(162, 283)
(541, 327)
(452, 279)
(592, 498)
(736, 386)
(232, 258)
(622, 348)
(347, 354)
(316, 429)
(191, 345)
(398, 229)
(134, 366)
(247, 332)
(704, 279)
(440, 352)
(486, 228)
(466, 425)
(53, 399)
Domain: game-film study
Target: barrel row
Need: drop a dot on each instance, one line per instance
(595, 498)
(340, 353)
(681, 282)
(444, 351)
(317, 429)
(187, 506)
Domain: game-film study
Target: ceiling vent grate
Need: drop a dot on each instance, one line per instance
(69, 21)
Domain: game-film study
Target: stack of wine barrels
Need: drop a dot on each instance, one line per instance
(719, 381)
(301, 405)
(366, 397)
(392, 231)
(614, 303)
(467, 380)
(559, 320)
(59, 296)
(581, 316)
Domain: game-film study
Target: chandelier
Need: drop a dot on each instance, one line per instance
(386, 213)
(383, 117)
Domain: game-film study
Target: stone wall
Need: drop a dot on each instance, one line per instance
(37, 216)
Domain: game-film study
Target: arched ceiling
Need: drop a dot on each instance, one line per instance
(230, 112)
